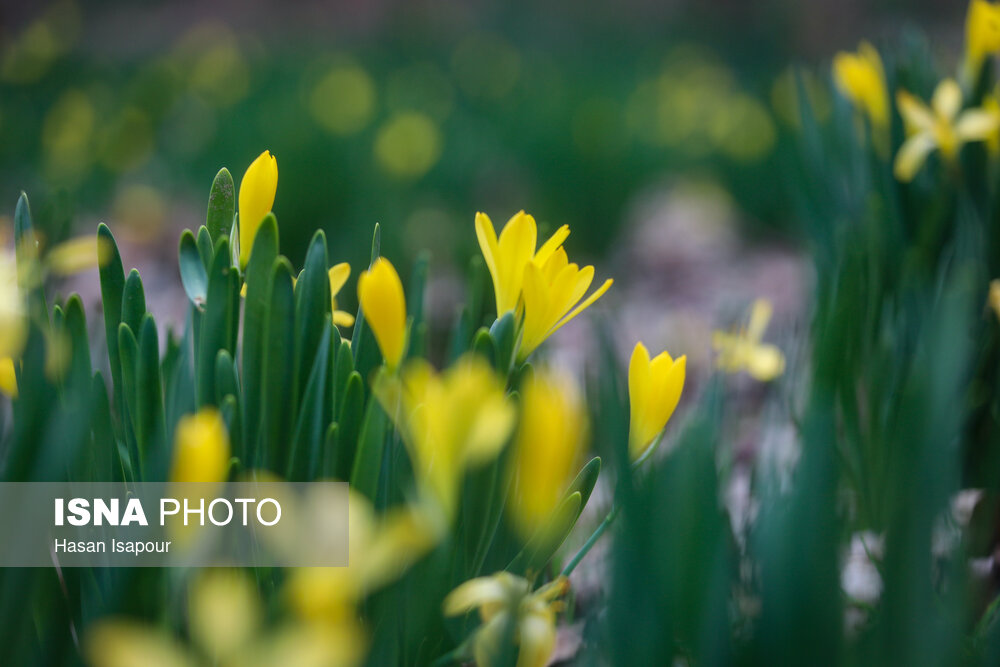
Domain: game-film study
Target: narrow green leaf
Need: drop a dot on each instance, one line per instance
(366, 353)
(193, 274)
(585, 481)
(371, 445)
(216, 323)
(78, 375)
(112, 277)
(206, 247)
(128, 347)
(278, 405)
(312, 310)
(351, 413)
(345, 367)
(504, 334)
(230, 409)
(540, 549)
(105, 456)
(227, 382)
(308, 440)
(133, 301)
(150, 435)
(484, 345)
(330, 451)
(221, 205)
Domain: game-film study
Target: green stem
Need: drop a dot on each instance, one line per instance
(592, 540)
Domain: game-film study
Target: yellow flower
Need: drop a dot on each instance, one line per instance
(257, 189)
(450, 422)
(381, 548)
(380, 293)
(13, 323)
(861, 77)
(654, 388)
(77, 255)
(201, 448)
(982, 35)
(939, 126)
(224, 611)
(338, 276)
(8, 378)
(993, 299)
(125, 643)
(507, 257)
(546, 450)
(744, 351)
(504, 599)
(552, 297)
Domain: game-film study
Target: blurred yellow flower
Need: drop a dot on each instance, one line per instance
(504, 599)
(257, 190)
(549, 440)
(939, 126)
(553, 295)
(381, 549)
(861, 78)
(224, 611)
(201, 448)
(408, 144)
(745, 351)
(982, 35)
(8, 377)
(126, 643)
(450, 421)
(993, 299)
(380, 293)
(507, 257)
(77, 255)
(339, 274)
(13, 323)
(654, 388)
(343, 100)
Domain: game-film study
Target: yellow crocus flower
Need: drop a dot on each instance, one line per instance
(982, 35)
(861, 78)
(201, 448)
(380, 293)
(257, 190)
(504, 599)
(8, 377)
(939, 126)
(552, 297)
(450, 422)
(507, 257)
(549, 440)
(744, 351)
(338, 276)
(654, 389)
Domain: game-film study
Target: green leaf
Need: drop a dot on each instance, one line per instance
(484, 345)
(227, 381)
(585, 480)
(221, 205)
(371, 445)
(106, 461)
(193, 274)
(330, 451)
(112, 286)
(150, 435)
(351, 412)
(230, 409)
(78, 375)
(133, 301)
(217, 323)
(504, 334)
(544, 544)
(128, 347)
(307, 443)
(312, 310)
(345, 367)
(278, 406)
(256, 305)
(366, 353)
(206, 247)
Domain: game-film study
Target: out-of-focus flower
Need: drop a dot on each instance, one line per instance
(201, 448)
(744, 351)
(994, 297)
(548, 444)
(654, 388)
(507, 256)
(8, 377)
(125, 643)
(554, 295)
(408, 145)
(257, 190)
(451, 421)
(338, 276)
(77, 255)
(939, 126)
(223, 611)
(343, 101)
(861, 77)
(785, 96)
(381, 549)
(506, 603)
(13, 324)
(982, 35)
(380, 293)
(68, 136)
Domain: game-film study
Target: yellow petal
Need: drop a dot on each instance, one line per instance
(75, 255)
(8, 377)
(343, 319)
(516, 248)
(765, 362)
(976, 125)
(487, 237)
(121, 643)
(912, 155)
(380, 293)
(994, 297)
(224, 611)
(594, 296)
(474, 593)
(638, 393)
(552, 244)
(257, 190)
(537, 635)
(339, 273)
(760, 315)
(916, 116)
(201, 448)
(947, 99)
